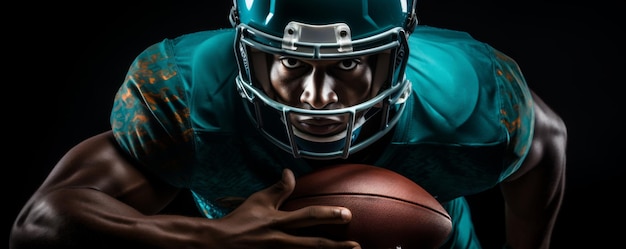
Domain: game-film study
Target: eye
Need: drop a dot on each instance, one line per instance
(348, 64)
(290, 62)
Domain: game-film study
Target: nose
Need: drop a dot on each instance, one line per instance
(319, 90)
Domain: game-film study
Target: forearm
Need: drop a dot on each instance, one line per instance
(92, 219)
(532, 205)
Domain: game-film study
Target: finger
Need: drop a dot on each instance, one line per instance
(315, 215)
(284, 187)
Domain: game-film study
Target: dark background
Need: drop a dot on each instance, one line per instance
(66, 62)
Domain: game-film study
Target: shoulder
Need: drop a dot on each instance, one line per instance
(151, 116)
(166, 74)
(171, 91)
(450, 73)
(180, 53)
(448, 56)
(465, 90)
(196, 45)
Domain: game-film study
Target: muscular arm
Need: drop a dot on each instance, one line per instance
(108, 196)
(95, 198)
(534, 194)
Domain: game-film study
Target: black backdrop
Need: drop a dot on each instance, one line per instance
(65, 66)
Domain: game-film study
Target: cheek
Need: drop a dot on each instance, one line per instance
(355, 88)
(285, 88)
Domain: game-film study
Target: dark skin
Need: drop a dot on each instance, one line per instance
(96, 197)
(95, 189)
(533, 195)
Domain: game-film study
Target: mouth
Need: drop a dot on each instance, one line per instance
(320, 126)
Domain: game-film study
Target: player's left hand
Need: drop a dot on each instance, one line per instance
(258, 223)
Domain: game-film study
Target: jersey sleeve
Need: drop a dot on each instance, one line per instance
(516, 111)
(150, 115)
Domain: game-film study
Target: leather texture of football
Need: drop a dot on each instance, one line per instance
(388, 209)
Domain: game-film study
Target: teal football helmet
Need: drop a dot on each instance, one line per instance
(322, 30)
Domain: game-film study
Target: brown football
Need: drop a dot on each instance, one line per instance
(388, 209)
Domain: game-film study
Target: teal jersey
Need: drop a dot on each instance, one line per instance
(468, 123)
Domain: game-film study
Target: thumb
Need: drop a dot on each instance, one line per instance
(281, 190)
